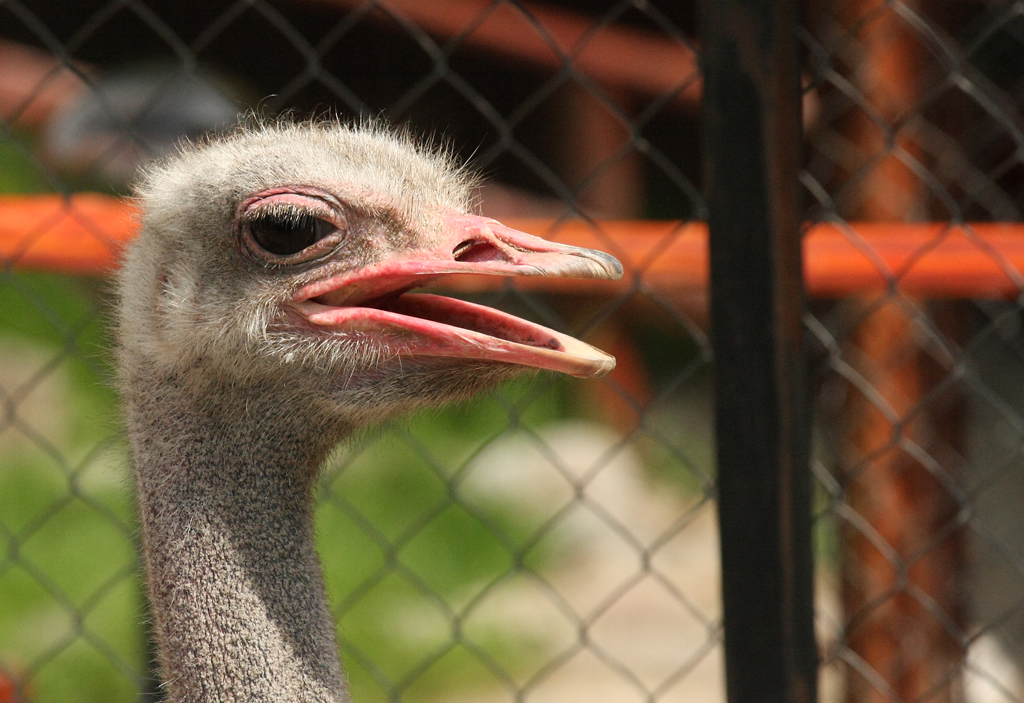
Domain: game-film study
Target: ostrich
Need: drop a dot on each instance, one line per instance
(264, 315)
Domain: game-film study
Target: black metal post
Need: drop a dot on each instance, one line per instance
(752, 146)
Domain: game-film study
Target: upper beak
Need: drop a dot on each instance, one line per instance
(371, 298)
(469, 244)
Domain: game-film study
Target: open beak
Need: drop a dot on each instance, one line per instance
(375, 300)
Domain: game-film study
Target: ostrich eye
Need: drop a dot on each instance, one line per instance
(286, 233)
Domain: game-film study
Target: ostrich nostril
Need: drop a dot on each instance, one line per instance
(476, 250)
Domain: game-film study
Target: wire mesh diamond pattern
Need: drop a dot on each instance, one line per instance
(554, 540)
(453, 572)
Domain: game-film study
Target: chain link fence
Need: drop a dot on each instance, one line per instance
(918, 391)
(554, 540)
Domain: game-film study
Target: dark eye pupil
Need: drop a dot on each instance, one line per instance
(285, 234)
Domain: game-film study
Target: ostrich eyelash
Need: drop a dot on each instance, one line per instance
(285, 216)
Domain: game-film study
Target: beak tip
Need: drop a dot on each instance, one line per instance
(599, 366)
(611, 265)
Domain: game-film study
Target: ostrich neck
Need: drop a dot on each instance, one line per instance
(235, 585)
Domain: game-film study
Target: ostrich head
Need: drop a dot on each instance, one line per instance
(282, 256)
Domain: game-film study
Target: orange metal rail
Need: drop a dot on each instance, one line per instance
(83, 234)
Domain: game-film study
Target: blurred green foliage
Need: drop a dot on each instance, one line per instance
(19, 171)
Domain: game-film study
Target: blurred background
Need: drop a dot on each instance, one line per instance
(554, 540)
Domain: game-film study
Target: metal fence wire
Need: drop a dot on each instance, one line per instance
(919, 392)
(557, 540)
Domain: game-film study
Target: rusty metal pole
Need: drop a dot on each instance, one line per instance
(901, 599)
(752, 148)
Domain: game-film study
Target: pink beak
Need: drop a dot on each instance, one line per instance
(374, 300)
